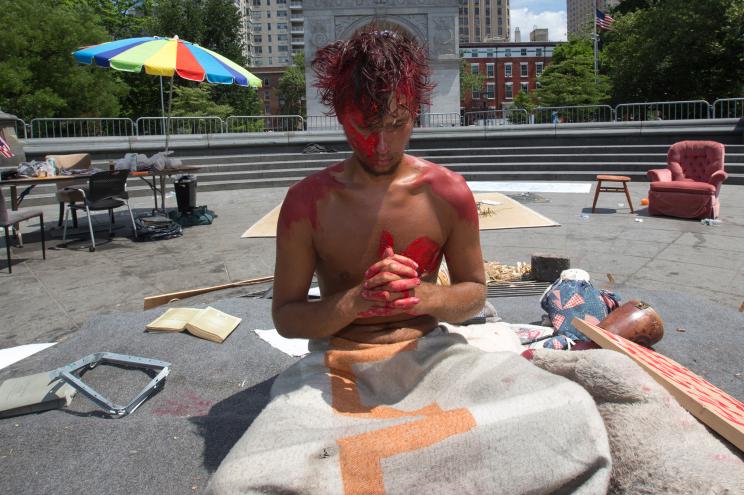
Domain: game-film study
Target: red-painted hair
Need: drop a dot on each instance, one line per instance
(366, 70)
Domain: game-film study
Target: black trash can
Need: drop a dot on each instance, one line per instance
(186, 193)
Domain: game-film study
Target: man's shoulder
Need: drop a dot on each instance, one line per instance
(319, 181)
(430, 171)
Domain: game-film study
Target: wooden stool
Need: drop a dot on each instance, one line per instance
(612, 178)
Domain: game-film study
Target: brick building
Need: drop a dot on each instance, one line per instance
(268, 93)
(508, 69)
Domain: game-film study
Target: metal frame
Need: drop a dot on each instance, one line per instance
(66, 374)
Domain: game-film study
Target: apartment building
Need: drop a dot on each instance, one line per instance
(273, 31)
(508, 67)
(580, 14)
(484, 20)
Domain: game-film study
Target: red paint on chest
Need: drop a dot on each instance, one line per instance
(302, 203)
(452, 188)
(423, 250)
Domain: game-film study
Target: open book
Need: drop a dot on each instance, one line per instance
(211, 324)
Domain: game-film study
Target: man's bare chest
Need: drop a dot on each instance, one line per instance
(351, 235)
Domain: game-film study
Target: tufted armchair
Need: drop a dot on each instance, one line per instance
(689, 186)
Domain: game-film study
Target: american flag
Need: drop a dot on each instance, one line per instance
(5, 149)
(604, 21)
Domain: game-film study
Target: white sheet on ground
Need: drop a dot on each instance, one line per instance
(14, 354)
(293, 347)
(544, 187)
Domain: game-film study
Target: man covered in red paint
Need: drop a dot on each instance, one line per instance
(374, 228)
(388, 401)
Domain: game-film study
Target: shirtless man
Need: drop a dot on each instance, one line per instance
(375, 227)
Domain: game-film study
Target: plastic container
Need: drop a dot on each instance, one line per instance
(185, 187)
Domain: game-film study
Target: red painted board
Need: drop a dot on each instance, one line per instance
(702, 399)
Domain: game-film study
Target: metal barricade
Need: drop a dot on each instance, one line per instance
(21, 128)
(728, 108)
(264, 123)
(663, 110)
(495, 118)
(573, 114)
(81, 127)
(322, 123)
(155, 126)
(438, 120)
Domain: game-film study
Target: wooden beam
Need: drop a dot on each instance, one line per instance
(155, 301)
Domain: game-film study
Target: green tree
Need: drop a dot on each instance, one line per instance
(40, 77)
(569, 79)
(196, 101)
(469, 81)
(677, 50)
(291, 87)
(122, 18)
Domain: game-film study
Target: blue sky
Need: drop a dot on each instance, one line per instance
(527, 14)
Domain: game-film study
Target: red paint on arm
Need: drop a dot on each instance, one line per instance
(302, 202)
(451, 187)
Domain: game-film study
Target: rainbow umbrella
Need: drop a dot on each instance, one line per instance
(166, 57)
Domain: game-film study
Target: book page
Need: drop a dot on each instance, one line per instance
(173, 320)
(212, 324)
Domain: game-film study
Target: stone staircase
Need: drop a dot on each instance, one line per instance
(475, 159)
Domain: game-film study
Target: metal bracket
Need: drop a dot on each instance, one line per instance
(67, 374)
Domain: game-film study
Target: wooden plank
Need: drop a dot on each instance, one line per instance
(155, 301)
(711, 405)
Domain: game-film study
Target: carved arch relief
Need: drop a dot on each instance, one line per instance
(413, 24)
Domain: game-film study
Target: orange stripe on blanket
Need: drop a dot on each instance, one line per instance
(360, 455)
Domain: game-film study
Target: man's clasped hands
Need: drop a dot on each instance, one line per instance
(389, 285)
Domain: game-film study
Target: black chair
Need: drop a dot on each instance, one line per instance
(10, 217)
(105, 191)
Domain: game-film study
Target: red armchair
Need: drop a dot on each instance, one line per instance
(689, 186)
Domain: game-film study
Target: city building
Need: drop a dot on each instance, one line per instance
(273, 30)
(484, 20)
(267, 93)
(509, 68)
(539, 35)
(580, 14)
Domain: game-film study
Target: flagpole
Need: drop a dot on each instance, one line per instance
(596, 48)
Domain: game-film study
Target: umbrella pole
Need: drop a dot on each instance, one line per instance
(162, 100)
(167, 121)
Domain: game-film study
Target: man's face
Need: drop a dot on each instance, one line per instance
(378, 150)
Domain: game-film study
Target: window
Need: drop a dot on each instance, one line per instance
(524, 87)
(257, 28)
(523, 69)
(538, 68)
(259, 50)
(509, 93)
(282, 37)
(283, 48)
(271, 60)
(269, 38)
(474, 68)
(256, 3)
(267, 109)
(523, 52)
(257, 38)
(281, 2)
(268, 26)
(489, 70)
(281, 26)
(281, 13)
(268, 14)
(266, 83)
(267, 95)
(476, 94)
(508, 70)
(538, 52)
(507, 52)
(270, 47)
(490, 91)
